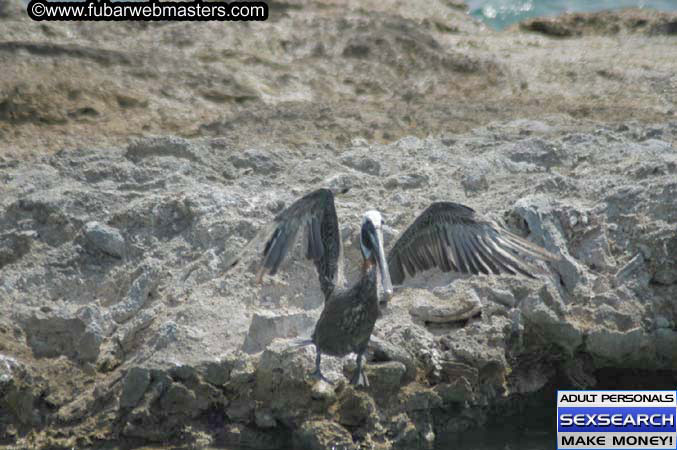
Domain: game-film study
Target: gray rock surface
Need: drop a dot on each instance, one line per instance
(318, 435)
(122, 197)
(446, 304)
(267, 326)
(138, 293)
(134, 385)
(105, 238)
(77, 335)
(188, 342)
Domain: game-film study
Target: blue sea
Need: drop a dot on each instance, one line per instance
(501, 13)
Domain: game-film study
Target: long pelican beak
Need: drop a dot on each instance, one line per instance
(383, 266)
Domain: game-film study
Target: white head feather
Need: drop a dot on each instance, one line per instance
(374, 216)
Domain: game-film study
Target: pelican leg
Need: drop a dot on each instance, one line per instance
(317, 374)
(360, 378)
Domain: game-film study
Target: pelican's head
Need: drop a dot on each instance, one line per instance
(371, 243)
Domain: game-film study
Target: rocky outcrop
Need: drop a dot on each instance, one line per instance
(120, 275)
(130, 174)
(604, 23)
(319, 72)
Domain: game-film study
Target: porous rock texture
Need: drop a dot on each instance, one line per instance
(118, 324)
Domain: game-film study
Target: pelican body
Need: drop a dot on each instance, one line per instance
(349, 316)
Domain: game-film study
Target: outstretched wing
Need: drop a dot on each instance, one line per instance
(317, 214)
(450, 236)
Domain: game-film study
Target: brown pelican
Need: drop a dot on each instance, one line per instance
(446, 235)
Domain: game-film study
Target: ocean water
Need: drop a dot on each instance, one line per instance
(502, 13)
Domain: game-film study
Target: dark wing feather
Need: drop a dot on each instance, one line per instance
(451, 237)
(317, 214)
